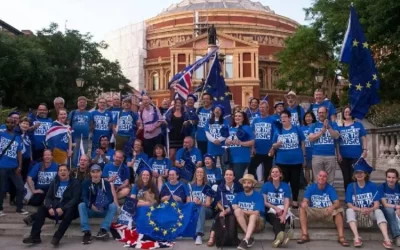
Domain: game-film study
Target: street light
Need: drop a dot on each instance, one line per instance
(319, 78)
(80, 82)
(121, 86)
(289, 84)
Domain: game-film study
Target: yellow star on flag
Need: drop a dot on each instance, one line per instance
(355, 43)
(159, 206)
(221, 98)
(156, 229)
(165, 232)
(181, 216)
(151, 208)
(148, 214)
(365, 45)
(220, 73)
(350, 85)
(374, 77)
(173, 204)
(179, 224)
(165, 202)
(227, 93)
(369, 85)
(152, 223)
(215, 98)
(179, 211)
(173, 230)
(359, 87)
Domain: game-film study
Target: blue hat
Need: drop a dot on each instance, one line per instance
(143, 166)
(211, 157)
(177, 170)
(279, 102)
(95, 167)
(13, 113)
(362, 165)
(193, 96)
(221, 108)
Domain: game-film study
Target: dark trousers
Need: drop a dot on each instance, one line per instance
(291, 175)
(277, 226)
(24, 174)
(42, 213)
(256, 160)
(37, 154)
(202, 146)
(347, 170)
(149, 144)
(37, 199)
(9, 174)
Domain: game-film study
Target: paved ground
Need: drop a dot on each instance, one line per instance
(14, 243)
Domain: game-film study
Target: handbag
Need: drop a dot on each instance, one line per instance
(363, 220)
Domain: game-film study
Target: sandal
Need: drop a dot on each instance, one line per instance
(303, 239)
(387, 244)
(342, 241)
(357, 242)
(211, 242)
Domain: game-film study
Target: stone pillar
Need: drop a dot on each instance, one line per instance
(241, 65)
(252, 65)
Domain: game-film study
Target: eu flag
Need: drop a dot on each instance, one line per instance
(363, 76)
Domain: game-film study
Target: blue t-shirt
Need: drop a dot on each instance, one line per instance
(42, 179)
(122, 173)
(173, 190)
(214, 175)
(26, 146)
(80, 123)
(321, 198)
(61, 189)
(238, 153)
(160, 166)
(215, 131)
(392, 196)
(307, 142)
(126, 123)
(101, 122)
(109, 155)
(331, 108)
(290, 151)
(195, 155)
(276, 196)
(10, 157)
(204, 117)
(295, 119)
(364, 197)
(197, 192)
(252, 115)
(325, 145)
(141, 156)
(263, 129)
(38, 135)
(139, 193)
(228, 194)
(115, 112)
(350, 140)
(253, 202)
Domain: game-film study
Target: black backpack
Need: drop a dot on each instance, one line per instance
(226, 234)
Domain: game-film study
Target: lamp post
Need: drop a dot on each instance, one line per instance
(121, 86)
(289, 84)
(80, 82)
(319, 79)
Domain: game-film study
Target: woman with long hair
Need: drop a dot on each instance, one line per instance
(160, 165)
(308, 119)
(144, 190)
(133, 161)
(240, 142)
(277, 195)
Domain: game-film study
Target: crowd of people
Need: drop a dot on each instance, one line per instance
(186, 150)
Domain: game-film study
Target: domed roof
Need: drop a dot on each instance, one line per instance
(192, 5)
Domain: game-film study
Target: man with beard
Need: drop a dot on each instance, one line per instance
(104, 154)
(296, 110)
(41, 124)
(118, 174)
(81, 172)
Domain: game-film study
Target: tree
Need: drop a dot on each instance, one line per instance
(334, 99)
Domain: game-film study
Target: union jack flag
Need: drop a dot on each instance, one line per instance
(57, 133)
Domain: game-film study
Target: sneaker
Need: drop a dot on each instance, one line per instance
(278, 239)
(22, 212)
(31, 240)
(55, 242)
(250, 242)
(102, 234)
(87, 238)
(199, 240)
(2, 213)
(398, 241)
(289, 235)
(243, 245)
(28, 220)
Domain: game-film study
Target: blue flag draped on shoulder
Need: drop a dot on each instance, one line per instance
(363, 76)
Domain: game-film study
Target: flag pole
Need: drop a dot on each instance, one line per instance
(204, 86)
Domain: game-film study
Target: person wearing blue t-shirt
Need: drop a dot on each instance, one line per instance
(103, 154)
(290, 153)
(125, 125)
(277, 195)
(321, 203)
(240, 142)
(204, 115)
(308, 120)
(322, 135)
(362, 197)
(278, 108)
(80, 121)
(102, 122)
(191, 110)
(174, 189)
(198, 196)
(188, 153)
(26, 147)
(41, 123)
(253, 111)
(160, 165)
(213, 130)
(40, 177)
(248, 207)
(263, 128)
(295, 109)
(118, 174)
(390, 199)
(213, 173)
(320, 102)
(352, 144)
(145, 190)
(11, 164)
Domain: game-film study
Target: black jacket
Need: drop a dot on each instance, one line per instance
(71, 196)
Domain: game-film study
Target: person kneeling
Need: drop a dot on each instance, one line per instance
(248, 207)
(321, 203)
(61, 203)
(98, 201)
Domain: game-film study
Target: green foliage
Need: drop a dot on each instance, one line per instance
(344, 97)
(334, 99)
(385, 114)
(37, 69)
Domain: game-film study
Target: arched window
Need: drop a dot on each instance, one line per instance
(156, 81)
(261, 75)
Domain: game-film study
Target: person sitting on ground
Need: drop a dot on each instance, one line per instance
(118, 173)
(82, 172)
(160, 165)
(277, 195)
(144, 190)
(321, 203)
(61, 203)
(248, 207)
(98, 201)
(362, 198)
(213, 173)
(133, 160)
(390, 198)
(104, 154)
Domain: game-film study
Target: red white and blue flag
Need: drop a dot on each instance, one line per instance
(57, 134)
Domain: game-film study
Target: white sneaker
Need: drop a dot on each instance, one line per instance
(23, 212)
(199, 240)
(2, 213)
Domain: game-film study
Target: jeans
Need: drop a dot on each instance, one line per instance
(390, 215)
(239, 169)
(256, 160)
(77, 147)
(9, 173)
(205, 213)
(85, 213)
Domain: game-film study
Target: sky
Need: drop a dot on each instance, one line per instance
(102, 16)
